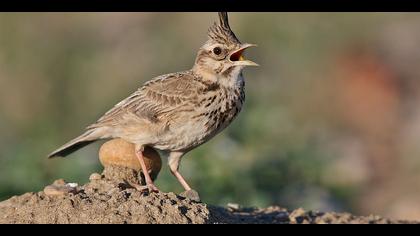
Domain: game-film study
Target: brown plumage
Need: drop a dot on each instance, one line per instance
(180, 111)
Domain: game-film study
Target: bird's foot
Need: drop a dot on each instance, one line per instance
(152, 188)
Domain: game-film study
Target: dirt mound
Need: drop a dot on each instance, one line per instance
(110, 198)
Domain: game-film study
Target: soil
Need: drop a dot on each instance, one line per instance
(111, 198)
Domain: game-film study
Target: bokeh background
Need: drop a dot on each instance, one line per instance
(331, 122)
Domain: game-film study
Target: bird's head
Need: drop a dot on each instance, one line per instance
(223, 53)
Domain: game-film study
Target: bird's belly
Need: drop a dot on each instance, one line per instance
(183, 137)
(191, 130)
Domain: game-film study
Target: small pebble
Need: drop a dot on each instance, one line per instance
(72, 185)
(95, 176)
(59, 182)
(297, 216)
(234, 206)
(60, 190)
(52, 191)
(171, 195)
(282, 216)
(192, 195)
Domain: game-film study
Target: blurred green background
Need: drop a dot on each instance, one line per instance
(331, 122)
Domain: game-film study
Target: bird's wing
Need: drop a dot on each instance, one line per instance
(154, 100)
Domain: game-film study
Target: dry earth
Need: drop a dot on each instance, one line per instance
(110, 198)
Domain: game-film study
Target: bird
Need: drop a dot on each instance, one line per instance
(177, 112)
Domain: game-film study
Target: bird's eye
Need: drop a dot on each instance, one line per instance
(217, 50)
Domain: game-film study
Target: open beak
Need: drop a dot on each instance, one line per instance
(238, 59)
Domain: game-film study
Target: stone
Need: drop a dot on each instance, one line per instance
(59, 182)
(282, 216)
(72, 185)
(298, 216)
(95, 176)
(192, 195)
(118, 152)
(233, 206)
(60, 190)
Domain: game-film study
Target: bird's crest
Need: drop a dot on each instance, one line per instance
(222, 32)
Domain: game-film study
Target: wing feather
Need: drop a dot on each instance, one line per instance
(155, 99)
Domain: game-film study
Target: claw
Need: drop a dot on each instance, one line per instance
(152, 188)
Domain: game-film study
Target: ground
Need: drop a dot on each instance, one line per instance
(110, 198)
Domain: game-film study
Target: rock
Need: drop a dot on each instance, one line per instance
(60, 190)
(59, 182)
(95, 176)
(72, 185)
(118, 152)
(52, 191)
(297, 216)
(282, 216)
(192, 195)
(233, 206)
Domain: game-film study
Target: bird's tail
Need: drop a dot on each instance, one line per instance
(87, 138)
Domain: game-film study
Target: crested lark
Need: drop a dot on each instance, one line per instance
(178, 112)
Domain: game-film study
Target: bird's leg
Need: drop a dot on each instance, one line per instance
(149, 182)
(174, 160)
